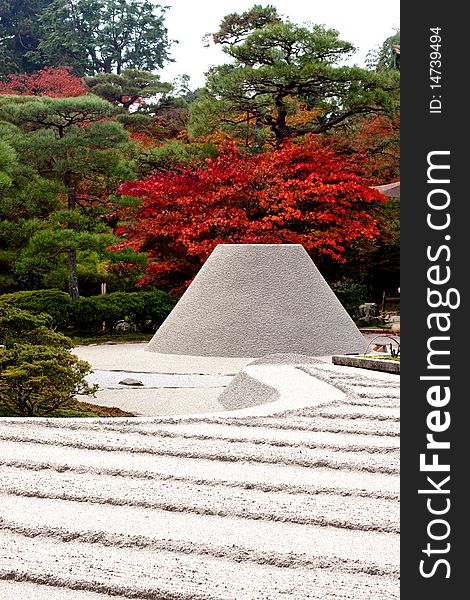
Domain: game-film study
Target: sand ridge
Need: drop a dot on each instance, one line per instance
(224, 506)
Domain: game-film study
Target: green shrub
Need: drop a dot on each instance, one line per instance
(90, 313)
(38, 373)
(145, 309)
(19, 326)
(157, 306)
(37, 379)
(55, 303)
(351, 295)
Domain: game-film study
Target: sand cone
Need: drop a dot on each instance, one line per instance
(250, 300)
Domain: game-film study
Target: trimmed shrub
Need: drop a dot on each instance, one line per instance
(19, 327)
(146, 310)
(55, 303)
(157, 306)
(90, 313)
(38, 373)
(35, 379)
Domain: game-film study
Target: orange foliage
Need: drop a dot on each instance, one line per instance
(55, 82)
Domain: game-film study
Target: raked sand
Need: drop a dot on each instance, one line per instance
(299, 502)
(135, 357)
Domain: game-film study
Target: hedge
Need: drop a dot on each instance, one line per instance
(146, 310)
(55, 303)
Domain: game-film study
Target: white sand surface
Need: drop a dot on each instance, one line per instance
(113, 380)
(184, 573)
(10, 590)
(135, 357)
(301, 503)
(171, 384)
(149, 402)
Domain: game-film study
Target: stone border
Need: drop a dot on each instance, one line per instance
(387, 366)
(379, 331)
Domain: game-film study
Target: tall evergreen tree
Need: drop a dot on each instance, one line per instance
(128, 90)
(278, 68)
(387, 55)
(104, 36)
(26, 202)
(72, 143)
(20, 35)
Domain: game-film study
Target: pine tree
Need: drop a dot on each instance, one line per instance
(76, 146)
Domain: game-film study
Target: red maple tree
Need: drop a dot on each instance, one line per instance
(375, 138)
(301, 193)
(56, 82)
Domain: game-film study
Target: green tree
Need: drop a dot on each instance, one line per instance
(8, 165)
(38, 374)
(129, 89)
(102, 36)
(235, 27)
(387, 55)
(20, 35)
(279, 69)
(21, 327)
(26, 199)
(154, 111)
(72, 144)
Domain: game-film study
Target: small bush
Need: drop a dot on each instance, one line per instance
(351, 295)
(55, 303)
(90, 313)
(19, 326)
(145, 309)
(157, 306)
(38, 373)
(36, 379)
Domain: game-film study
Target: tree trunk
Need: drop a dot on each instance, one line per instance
(72, 252)
(72, 273)
(280, 128)
(108, 65)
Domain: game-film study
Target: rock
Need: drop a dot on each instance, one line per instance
(124, 327)
(369, 315)
(369, 309)
(130, 381)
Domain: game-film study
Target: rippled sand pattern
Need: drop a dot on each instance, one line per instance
(299, 505)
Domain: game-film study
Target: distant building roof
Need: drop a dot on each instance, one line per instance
(389, 189)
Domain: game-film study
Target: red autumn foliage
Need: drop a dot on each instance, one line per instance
(301, 193)
(56, 82)
(142, 138)
(376, 138)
